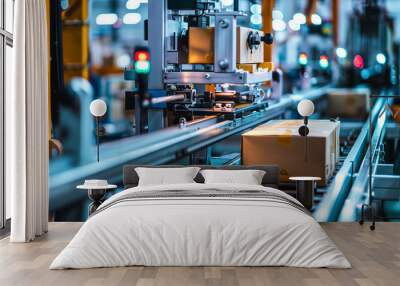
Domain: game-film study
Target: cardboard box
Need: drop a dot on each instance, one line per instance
(396, 112)
(348, 103)
(201, 46)
(278, 142)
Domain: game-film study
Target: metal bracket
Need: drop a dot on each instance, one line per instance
(225, 43)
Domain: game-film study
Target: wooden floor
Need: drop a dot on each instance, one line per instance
(375, 257)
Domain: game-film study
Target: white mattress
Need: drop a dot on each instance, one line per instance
(191, 231)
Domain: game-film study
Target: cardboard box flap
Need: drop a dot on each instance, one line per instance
(349, 91)
(319, 129)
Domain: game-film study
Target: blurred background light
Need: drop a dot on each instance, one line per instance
(278, 25)
(316, 19)
(256, 9)
(381, 58)
(293, 25)
(132, 18)
(123, 61)
(256, 19)
(358, 61)
(106, 19)
(226, 3)
(341, 53)
(299, 18)
(365, 74)
(133, 4)
(277, 15)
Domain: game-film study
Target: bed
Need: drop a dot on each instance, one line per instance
(197, 224)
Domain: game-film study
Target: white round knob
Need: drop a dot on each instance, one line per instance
(305, 107)
(98, 108)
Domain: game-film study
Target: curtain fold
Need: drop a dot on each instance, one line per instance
(27, 123)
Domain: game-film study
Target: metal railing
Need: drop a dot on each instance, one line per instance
(338, 190)
(368, 168)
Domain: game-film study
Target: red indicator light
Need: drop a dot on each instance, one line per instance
(142, 56)
(324, 61)
(358, 62)
(324, 58)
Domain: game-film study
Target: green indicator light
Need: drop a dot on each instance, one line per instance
(303, 60)
(324, 63)
(142, 67)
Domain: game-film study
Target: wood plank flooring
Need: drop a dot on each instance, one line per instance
(375, 257)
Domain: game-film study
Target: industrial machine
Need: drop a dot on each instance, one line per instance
(202, 63)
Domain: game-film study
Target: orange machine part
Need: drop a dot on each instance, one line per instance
(267, 6)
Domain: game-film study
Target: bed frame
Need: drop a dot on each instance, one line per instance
(270, 179)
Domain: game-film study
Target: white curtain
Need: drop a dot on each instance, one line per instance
(26, 123)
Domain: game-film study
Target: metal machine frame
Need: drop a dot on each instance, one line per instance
(225, 70)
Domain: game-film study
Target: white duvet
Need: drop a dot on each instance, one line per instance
(200, 231)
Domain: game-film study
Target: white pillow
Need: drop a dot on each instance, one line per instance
(166, 176)
(248, 177)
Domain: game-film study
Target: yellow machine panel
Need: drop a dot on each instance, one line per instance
(201, 46)
(75, 39)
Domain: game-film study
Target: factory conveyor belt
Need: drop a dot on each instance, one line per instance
(348, 187)
(338, 201)
(164, 146)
